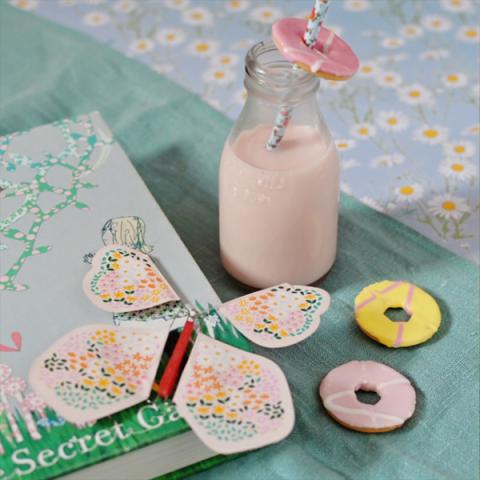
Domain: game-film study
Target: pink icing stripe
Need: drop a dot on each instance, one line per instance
(365, 302)
(399, 339)
(391, 287)
(408, 302)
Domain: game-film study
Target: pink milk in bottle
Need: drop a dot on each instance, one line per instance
(278, 209)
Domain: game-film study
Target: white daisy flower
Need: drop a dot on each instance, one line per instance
(170, 36)
(198, 16)
(356, 5)
(177, 4)
(237, 5)
(125, 6)
(141, 46)
(415, 94)
(244, 44)
(347, 164)
(96, 19)
(436, 23)
(203, 48)
(457, 5)
(345, 188)
(267, 15)
(431, 134)
(344, 144)
(391, 42)
(435, 54)
(411, 30)
(472, 130)
(389, 79)
(460, 149)
(372, 203)
(363, 130)
(368, 69)
(387, 160)
(372, 33)
(27, 5)
(224, 60)
(409, 192)
(332, 84)
(163, 68)
(455, 168)
(469, 34)
(391, 58)
(218, 75)
(448, 206)
(455, 80)
(392, 121)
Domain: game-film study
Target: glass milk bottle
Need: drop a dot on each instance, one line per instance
(279, 208)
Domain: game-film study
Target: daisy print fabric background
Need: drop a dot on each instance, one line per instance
(406, 126)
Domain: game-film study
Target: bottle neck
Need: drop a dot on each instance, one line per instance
(272, 83)
(270, 78)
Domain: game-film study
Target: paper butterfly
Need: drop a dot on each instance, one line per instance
(233, 400)
(124, 280)
(97, 370)
(278, 316)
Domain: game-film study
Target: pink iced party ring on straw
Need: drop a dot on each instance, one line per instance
(331, 57)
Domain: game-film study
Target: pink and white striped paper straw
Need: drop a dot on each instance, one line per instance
(310, 36)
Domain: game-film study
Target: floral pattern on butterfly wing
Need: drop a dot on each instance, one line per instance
(278, 316)
(95, 370)
(122, 279)
(234, 400)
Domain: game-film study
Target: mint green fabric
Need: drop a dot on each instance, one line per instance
(175, 141)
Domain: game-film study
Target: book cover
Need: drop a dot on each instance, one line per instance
(67, 189)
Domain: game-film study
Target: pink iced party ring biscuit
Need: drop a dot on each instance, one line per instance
(396, 404)
(330, 58)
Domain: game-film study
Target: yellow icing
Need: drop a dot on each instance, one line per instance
(326, 76)
(424, 321)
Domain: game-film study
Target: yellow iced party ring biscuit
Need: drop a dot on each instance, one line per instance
(373, 301)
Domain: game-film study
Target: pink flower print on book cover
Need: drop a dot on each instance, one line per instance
(125, 280)
(233, 400)
(278, 316)
(17, 406)
(97, 370)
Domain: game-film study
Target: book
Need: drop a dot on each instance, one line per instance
(66, 190)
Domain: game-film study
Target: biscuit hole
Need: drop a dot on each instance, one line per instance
(397, 315)
(365, 396)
